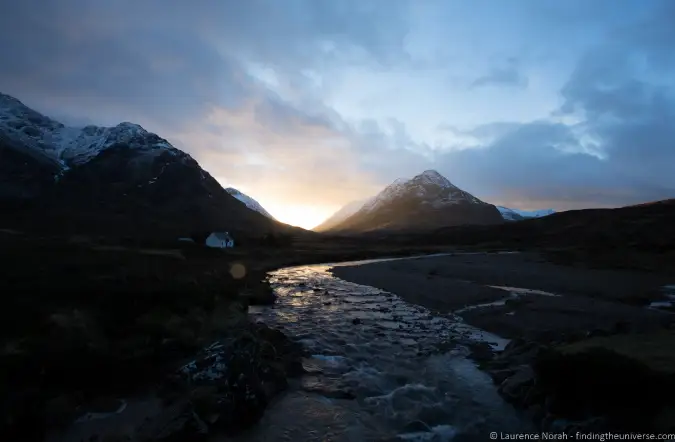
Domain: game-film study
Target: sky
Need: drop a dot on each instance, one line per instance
(307, 105)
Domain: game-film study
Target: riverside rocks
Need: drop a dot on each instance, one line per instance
(622, 382)
(227, 386)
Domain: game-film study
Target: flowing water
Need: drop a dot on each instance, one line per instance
(380, 369)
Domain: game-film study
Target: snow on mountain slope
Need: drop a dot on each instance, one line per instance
(70, 145)
(517, 215)
(341, 215)
(116, 181)
(426, 201)
(425, 185)
(250, 202)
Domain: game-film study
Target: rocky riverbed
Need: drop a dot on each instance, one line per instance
(590, 349)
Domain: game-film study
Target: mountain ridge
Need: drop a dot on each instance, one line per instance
(510, 214)
(120, 180)
(340, 215)
(250, 202)
(428, 200)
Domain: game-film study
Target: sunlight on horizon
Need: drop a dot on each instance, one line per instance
(305, 216)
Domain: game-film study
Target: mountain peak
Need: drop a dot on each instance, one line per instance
(428, 200)
(432, 177)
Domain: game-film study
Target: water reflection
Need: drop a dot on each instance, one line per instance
(381, 369)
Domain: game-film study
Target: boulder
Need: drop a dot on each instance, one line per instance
(627, 378)
(516, 387)
(231, 381)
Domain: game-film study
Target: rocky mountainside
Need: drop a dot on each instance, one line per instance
(250, 202)
(341, 215)
(424, 202)
(519, 215)
(120, 180)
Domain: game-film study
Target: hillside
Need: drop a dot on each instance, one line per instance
(338, 217)
(111, 181)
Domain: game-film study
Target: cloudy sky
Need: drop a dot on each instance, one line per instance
(309, 104)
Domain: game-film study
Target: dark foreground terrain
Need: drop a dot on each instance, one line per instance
(95, 325)
(86, 324)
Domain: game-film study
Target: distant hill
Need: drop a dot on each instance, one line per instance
(427, 201)
(519, 215)
(646, 227)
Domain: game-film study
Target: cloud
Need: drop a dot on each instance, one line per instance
(507, 75)
(191, 72)
(269, 96)
(173, 59)
(540, 165)
(619, 151)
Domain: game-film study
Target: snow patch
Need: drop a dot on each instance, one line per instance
(516, 214)
(250, 202)
(73, 145)
(429, 184)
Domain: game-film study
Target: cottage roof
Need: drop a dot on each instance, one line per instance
(223, 236)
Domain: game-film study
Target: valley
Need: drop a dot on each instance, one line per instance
(110, 291)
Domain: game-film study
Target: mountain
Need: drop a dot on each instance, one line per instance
(250, 202)
(345, 212)
(424, 202)
(519, 215)
(113, 181)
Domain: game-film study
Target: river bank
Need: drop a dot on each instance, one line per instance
(555, 328)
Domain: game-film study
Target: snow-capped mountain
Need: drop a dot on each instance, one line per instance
(345, 212)
(250, 202)
(518, 215)
(73, 146)
(110, 180)
(428, 200)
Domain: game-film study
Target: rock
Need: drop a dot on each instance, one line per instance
(626, 378)
(231, 381)
(515, 387)
(481, 352)
(500, 375)
(519, 352)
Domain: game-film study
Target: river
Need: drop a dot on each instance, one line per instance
(380, 369)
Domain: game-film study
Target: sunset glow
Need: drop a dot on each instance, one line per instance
(309, 107)
(306, 217)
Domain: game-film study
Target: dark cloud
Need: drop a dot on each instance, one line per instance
(533, 165)
(626, 109)
(168, 59)
(508, 75)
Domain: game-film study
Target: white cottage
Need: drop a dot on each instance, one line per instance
(220, 240)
